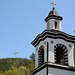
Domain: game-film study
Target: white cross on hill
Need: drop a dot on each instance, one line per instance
(15, 53)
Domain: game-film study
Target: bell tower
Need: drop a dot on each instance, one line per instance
(53, 19)
(54, 48)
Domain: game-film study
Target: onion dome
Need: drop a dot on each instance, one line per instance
(53, 15)
(53, 12)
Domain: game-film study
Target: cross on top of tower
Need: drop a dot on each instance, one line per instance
(53, 3)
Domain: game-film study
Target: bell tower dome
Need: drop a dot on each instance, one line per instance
(53, 19)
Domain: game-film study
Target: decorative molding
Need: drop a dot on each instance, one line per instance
(65, 53)
(45, 65)
(52, 42)
(53, 17)
(55, 34)
(41, 55)
(70, 45)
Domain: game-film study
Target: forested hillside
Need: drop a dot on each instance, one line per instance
(16, 66)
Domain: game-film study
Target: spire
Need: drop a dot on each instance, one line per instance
(53, 14)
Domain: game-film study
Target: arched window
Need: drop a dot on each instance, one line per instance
(55, 25)
(61, 54)
(41, 56)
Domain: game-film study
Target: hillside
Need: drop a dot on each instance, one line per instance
(16, 66)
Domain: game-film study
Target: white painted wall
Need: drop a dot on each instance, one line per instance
(51, 24)
(36, 58)
(44, 43)
(74, 73)
(51, 50)
(55, 71)
(70, 50)
(42, 72)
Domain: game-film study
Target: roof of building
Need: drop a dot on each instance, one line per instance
(53, 34)
(53, 12)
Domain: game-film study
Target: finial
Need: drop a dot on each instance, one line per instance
(53, 2)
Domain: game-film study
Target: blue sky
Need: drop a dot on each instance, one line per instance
(22, 20)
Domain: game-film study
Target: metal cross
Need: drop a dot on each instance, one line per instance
(53, 3)
(15, 53)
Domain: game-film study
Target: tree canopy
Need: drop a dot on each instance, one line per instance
(16, 66)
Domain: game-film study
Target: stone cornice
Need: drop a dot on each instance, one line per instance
(55, 34)
(53, 65)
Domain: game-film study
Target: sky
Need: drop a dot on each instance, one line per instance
(22, 20)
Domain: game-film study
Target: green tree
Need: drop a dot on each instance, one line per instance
(16, 66)
(5, 65)
(32, 57)
(17, 71)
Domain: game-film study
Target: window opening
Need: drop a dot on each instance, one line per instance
(41, 56)
(55, 25)
(61, 54)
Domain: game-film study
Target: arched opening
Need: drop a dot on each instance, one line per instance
(61, 54)
(55, 25)
(41, 56)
